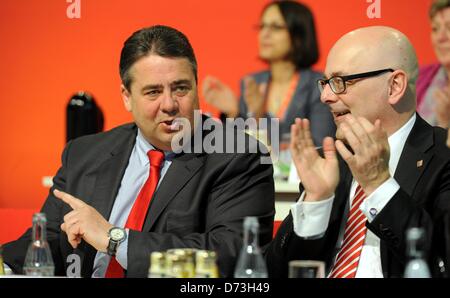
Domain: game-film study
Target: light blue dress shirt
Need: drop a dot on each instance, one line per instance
(133, 180)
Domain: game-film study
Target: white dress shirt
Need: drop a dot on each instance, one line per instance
(311, 219)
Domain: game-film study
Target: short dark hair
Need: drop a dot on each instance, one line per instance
(161, 40)
(300, 22)
(437, 6)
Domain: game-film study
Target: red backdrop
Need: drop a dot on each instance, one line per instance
(45, 57)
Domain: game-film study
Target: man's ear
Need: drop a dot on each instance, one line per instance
(126, 97)
(398, 86)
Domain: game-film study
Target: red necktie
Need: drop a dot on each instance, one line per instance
(355, 232)
(137, 214)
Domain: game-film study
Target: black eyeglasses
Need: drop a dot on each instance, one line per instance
(338, 83)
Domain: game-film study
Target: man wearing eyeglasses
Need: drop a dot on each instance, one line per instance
(387, 170)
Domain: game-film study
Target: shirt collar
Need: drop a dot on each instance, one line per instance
(143, 146)
(397, 141)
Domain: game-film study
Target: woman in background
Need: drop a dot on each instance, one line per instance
(433, 89)
(288, 89)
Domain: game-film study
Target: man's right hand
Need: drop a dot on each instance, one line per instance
(318, 175)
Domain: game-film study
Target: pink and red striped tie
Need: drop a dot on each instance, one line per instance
(355, 232)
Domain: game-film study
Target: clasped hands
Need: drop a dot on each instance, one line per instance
(442, 106)
(222, 97)
(84, 222)
(368, 158)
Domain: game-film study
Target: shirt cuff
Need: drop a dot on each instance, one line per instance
(376, 201)
(311, 219)
(122, 250)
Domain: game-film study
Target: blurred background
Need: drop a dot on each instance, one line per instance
(46, 57)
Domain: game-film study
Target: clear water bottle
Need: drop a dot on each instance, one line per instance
(417, 266)
(38, 260)
(251, 262)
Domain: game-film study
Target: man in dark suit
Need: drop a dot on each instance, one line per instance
(393, 171)
(100, 207)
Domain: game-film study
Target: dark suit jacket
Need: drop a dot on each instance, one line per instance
(421, 201)
(200, 203)
(305, 103)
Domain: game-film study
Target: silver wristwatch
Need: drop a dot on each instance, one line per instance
(116, 236)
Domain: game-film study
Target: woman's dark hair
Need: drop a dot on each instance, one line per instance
(160, 40)
(300, 22)
(437, 6)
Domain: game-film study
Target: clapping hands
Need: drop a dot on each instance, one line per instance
(442, 107)
(368, 158)
(220, 96)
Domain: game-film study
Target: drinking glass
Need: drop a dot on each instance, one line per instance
(306, 269)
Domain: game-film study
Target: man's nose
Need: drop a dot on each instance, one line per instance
(168, 104)
(328, 96)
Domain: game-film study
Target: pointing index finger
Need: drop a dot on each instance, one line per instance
(68, 199)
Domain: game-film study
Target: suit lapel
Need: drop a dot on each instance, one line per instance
(181, 170)
(414, 158)
(110, 174)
